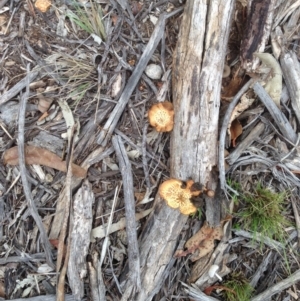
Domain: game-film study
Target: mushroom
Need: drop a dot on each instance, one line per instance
(161, 116)
(212, 272)
(177, 195)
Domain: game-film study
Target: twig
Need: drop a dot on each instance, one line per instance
(123, 136)
(132, 82)
(291, 73)
(144, 153)
(43, 65)
(224, 129)
(260, 270)
(10, 19)
(255, 133)
(133, 248)
(196, 294)
(23, 171)
(264, 239)
(278, 287)
(66, 225)
(105, 242)
(292, 150)
(3, 2)
(297, 218)
(279, 118)
(18, 87)
(44, 298)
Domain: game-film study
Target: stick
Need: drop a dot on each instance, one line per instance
(23, 171)
(133, 248)
(132, 82)
(224, 129)
(279, 118)
(18, 87)
(278, 287)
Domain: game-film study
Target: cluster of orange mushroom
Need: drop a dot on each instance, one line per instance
(176, 193)
(179, 194)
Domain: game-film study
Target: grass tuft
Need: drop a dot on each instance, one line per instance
(241, 289)
(263, 212)
(89, 19)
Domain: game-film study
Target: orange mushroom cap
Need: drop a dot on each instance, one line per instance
(42, 5)
(161, 116)
(177, 196)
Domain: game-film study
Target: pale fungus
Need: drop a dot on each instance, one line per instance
(212, 272)
(161, 116)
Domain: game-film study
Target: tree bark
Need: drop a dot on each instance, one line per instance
(197, 73)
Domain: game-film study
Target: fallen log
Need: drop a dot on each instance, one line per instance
(197, 72)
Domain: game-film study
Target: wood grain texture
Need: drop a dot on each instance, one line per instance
(80, 238)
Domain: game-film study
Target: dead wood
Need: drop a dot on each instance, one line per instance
(225, 123)
(257, 32)
(133, 250)
(23, 172)
(279, 118)
(261, 269)
(42, 298)
(291, 73)
(198, 67)
(278, 287)
(81, 219)
(18, 87)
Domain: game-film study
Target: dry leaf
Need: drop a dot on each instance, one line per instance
(242, 106)
(274, 82)
(235, 131)
(44, 102)
(202, 242)
(232, 88)
(37, 155)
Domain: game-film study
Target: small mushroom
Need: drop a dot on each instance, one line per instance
(42, 5)
(177, 195)
(212, 272)
(161, 116)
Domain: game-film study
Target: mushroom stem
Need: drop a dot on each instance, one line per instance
(218, 276)
(212, 272)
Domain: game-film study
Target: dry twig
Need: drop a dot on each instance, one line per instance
(133, 248)
(23, 171)
(132, 82)
(278, 287)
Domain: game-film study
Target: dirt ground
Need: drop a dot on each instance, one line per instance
(65, 65)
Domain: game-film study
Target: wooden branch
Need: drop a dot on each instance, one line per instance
(42, 298)
(18, 87)
(198, 68)
(278, 287)
(23, 171)
(133, 249)
(257, 29)
(197, 72)
(291, 73)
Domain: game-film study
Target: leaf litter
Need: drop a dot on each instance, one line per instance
(91, 87)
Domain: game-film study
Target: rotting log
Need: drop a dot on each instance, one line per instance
(197, 71)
